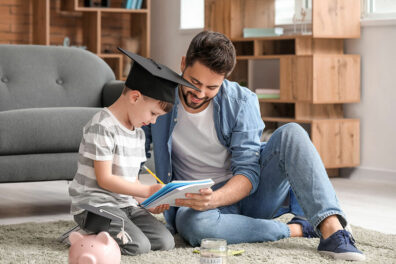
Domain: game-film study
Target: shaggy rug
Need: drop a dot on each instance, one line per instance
(37, 243)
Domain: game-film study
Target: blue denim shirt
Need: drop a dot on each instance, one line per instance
(238, 126)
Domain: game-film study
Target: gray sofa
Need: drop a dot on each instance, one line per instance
(47, 95)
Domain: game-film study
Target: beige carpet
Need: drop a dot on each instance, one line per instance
(36, 243)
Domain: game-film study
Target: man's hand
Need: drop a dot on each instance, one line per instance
(237, 188)
(159, 209)
(198, 201)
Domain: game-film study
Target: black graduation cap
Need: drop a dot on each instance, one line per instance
(153, 79)
(97, 220)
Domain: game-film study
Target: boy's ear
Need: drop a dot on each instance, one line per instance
(134, 96)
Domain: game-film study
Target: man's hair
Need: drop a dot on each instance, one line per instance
(214, 50)
(165, 106)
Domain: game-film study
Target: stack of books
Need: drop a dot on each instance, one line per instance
(268, 93)
(132, 4)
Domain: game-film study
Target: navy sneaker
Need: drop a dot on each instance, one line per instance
(307, 229)
(340, 245)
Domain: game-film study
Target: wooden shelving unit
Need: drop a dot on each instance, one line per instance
(315, 76)
(92, 27)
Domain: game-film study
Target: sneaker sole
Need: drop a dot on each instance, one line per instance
(345, 256)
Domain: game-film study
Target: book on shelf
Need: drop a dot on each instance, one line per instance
(129, 4)
(175, 190)
(268, 96)
(262, 32)
(267, 93)
(139, 4)
(132, 4)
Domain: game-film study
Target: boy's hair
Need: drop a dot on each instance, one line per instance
(214, 50)
(165, 106)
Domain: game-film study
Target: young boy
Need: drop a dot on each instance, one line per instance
(110, 156)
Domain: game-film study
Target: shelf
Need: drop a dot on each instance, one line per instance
(114, 61)
(336, 140)
(263, 57)
(315, 79)
(272, 38)
(77, 6)
(262, 47)
(330, 19)
(306, 121)
(110, 56)
(313, 74)
(266, 47)
(320, 79)
(278, 110)
(339, 166)
(275, 101)
(110, 10)
(285, 120)
(99, 29)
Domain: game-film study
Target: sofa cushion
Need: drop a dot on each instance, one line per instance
(33, 76)
(38, 167)
(43, 130)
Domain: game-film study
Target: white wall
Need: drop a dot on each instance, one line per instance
(168, 42)
(377, 47)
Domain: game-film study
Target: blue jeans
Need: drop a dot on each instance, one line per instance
(292, 180)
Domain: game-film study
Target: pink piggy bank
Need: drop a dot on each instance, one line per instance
(93, 249)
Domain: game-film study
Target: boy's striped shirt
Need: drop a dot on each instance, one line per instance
(105, 138)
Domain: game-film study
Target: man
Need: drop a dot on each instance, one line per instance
(215, 133)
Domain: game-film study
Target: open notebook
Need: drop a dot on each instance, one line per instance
(175, 190)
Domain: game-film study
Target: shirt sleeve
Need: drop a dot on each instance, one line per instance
(98, 143)
(245, 141)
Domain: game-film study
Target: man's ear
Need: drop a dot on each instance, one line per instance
(134, 96)
(183, 64)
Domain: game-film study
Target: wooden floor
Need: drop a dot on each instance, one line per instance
(367, 203)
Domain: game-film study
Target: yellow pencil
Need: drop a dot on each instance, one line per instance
(149, 171)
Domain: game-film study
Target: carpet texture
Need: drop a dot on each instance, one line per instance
(36, 243)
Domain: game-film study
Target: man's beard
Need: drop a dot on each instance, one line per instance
(193, 105)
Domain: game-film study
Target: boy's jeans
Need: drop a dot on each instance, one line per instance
(291, 171)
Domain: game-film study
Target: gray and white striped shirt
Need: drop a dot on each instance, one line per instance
(105, 138)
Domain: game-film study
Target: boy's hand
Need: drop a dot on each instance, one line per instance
(159, 209)
(154, 188)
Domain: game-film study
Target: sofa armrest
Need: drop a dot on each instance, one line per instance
(111, 91)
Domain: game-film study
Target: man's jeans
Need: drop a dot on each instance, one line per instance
(292, 174)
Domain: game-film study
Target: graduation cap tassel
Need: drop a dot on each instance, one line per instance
(123, 236)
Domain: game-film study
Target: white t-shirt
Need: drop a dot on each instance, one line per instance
(196, 150)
